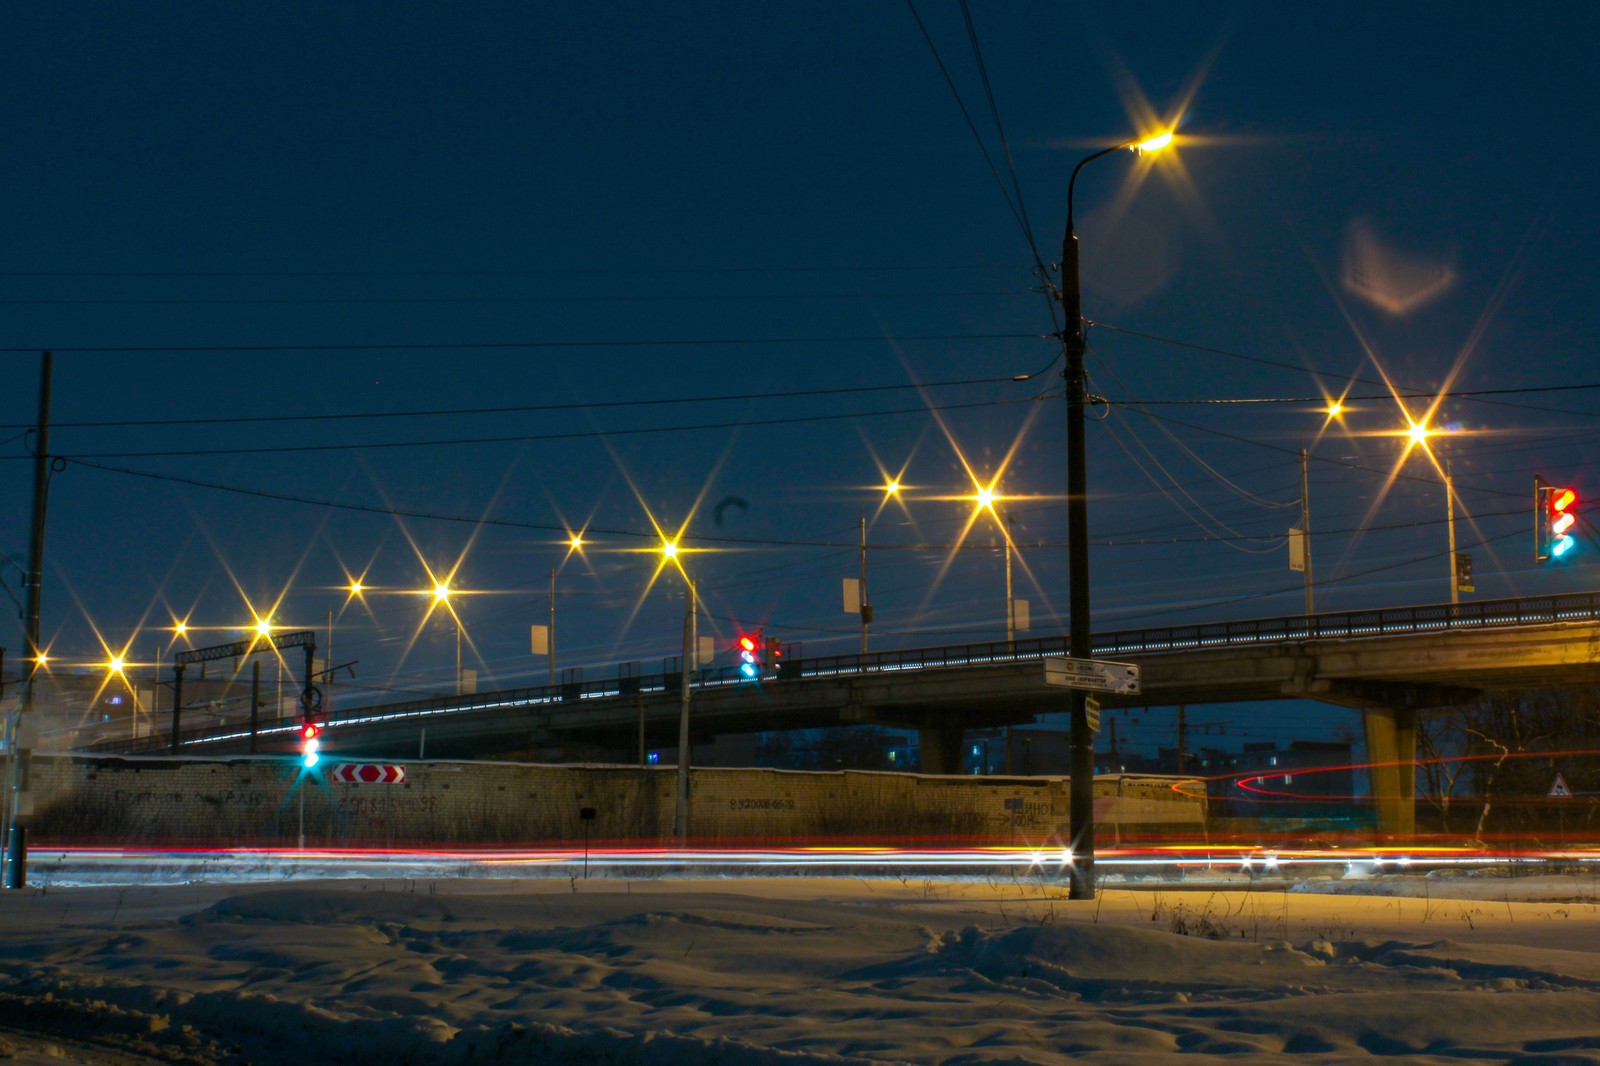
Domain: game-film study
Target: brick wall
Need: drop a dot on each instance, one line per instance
(262, 800)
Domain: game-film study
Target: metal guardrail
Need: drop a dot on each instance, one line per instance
(1484, 614)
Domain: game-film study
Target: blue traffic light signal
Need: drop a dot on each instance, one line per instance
(1553, 519)
(749, 657)
(310, 731)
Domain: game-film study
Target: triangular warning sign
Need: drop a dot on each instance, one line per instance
(1559, 789)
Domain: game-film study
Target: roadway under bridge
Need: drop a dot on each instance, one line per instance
(1391, 665)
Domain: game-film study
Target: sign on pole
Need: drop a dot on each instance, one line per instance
(1091, 708)
(1092, 675)
(852, 595)
(1297, 549)
(358, 773)
(1559, 789)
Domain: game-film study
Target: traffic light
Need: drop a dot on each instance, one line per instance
(774, 654)
(1561, 521)
(749, 657)
(1553, 520)
(309, 732)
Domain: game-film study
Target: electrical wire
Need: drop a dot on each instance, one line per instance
(589, 434)
(586, 405)
(652, 342)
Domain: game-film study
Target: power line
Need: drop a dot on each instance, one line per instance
(589, 434)
(651, 271)
(653, 342)
(342, 301)
(577, 406)
(1478, 396)
(1456, 394)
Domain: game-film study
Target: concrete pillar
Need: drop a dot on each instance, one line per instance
(939, 747)
(1392, 770)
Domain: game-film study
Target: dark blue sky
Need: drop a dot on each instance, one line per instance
(229, 212)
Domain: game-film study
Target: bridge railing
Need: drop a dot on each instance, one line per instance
(1539, 610)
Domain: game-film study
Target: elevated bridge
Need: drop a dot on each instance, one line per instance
(1390, 664)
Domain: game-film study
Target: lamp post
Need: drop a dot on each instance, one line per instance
(680, 814)
(1081, 811)
(441, 596)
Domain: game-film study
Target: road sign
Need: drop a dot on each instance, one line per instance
(1559, 789)
(1091, 709)
(366, 773)
(1093, 675)
(311, 699)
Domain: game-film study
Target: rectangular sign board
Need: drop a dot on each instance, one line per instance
(1092, 675)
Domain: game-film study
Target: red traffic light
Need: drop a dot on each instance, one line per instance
(310, 730)
(1561, 520)
(749, 657)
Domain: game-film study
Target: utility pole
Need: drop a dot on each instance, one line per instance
(16, 872)
(1305, 526)
(552, 647)
(680, 817)
(866, 607)
(1011, 603)
(1183, 728)
(1450, 524)
(1080, 813)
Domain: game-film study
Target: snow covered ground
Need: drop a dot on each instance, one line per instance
(801, 971)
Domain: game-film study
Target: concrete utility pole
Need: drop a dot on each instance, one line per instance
(680, 816)
(865, 605)
(1011, 603)
(1305, 525)
(552, 646)
(1450, 524)
(1080, 818)
(16, 874)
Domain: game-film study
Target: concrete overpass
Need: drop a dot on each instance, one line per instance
(1389, 664)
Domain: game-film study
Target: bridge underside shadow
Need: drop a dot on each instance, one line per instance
(1389, 715)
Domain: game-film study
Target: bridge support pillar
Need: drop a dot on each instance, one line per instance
(1392, 770)
(940, 748)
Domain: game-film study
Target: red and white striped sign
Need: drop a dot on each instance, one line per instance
(368, 773)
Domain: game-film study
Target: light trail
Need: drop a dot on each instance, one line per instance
(1195, 863)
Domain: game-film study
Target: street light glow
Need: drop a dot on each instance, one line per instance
(264, 626)
(1154, 144)
(1419, 433)
(1335, 408)
(891, 488)
(115, 665)
(575, 541)
(441, 592)
(356, 588)
(669, 548)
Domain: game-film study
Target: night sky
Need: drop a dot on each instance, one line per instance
(482, 274)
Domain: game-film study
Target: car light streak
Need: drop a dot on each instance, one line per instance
(1190, 863)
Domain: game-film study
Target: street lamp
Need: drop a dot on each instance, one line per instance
(1081, 813)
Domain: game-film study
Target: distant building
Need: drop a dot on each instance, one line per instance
(1310, 781)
